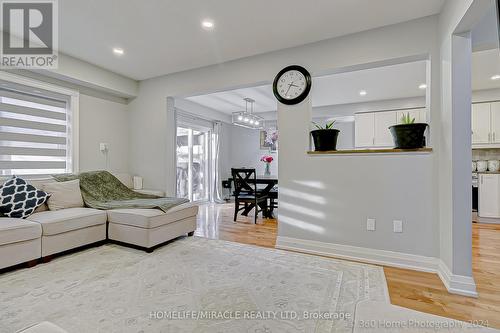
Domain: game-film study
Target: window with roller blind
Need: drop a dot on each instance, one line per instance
(35, 131)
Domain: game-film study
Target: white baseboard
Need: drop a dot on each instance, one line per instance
(455, 284)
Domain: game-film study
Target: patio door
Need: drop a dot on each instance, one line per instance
(193, 159)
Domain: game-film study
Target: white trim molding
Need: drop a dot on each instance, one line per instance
(455, 284)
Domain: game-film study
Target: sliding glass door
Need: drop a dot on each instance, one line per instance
(193, 161)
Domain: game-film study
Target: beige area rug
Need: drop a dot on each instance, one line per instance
(227, 287)
(381, 317)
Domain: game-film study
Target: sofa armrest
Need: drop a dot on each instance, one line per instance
(152, 192)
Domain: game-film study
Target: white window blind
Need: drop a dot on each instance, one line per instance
(34, 133)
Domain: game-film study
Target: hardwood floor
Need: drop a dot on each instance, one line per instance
(216, 221)
(415, 290)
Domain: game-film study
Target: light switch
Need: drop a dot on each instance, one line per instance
(398, 226)
(370, 224)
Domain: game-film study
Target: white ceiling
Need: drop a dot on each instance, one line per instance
(164, 36)
(391, 82)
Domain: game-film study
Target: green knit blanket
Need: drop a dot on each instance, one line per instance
(102, 190)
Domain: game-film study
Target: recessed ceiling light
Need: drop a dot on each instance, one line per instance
(495, 77)
(118, 51)
(207, 24)
(422, 86)
(362, 93)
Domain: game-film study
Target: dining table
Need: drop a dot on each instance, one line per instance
(269, 182)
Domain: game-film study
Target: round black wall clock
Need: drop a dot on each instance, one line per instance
(292, 85)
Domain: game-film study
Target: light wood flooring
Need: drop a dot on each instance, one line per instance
(415, 290)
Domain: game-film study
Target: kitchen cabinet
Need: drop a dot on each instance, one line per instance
(495, 122)
(489, 195)
(481, 123)
(364, 129)
(372, 128)
(383, 136)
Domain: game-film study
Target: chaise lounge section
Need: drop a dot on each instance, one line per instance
(148, 228)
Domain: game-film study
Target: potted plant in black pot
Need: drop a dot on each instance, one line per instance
(325, 138)
(408, 134)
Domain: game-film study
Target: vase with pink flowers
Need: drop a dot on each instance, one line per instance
(267, 159)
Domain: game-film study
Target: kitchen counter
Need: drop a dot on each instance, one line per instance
(487, 172)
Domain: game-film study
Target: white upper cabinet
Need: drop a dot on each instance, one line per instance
(364, 129)
(372, 128)
(495, 123)
(481, 123)
(383, 136)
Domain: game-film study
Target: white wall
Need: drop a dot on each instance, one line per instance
(328, 198)
(453, 220)
(356, 187)
(246, 152)
(107, 122)
(151, 125)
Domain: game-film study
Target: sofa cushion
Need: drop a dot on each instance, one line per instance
(59, 221)
(64, 194)
(20, 199)
(151, 218)
(14, 230)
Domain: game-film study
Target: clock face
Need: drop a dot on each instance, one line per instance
(292, 84)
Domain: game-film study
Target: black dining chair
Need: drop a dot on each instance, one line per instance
(273, 201)
(246, 194)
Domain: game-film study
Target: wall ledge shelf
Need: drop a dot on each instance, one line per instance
(417, 151)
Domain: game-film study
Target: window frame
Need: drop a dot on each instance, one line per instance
(73, 113)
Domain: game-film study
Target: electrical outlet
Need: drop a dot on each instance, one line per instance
(398, 226)
(103, 147)
(370, 224)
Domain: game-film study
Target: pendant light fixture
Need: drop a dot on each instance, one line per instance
(247, 118)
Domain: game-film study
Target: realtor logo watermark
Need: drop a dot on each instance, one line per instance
(29, 34)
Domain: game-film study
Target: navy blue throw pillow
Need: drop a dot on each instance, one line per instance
(20, 199)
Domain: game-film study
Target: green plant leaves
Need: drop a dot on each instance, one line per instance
(407, 119)
(327, 125)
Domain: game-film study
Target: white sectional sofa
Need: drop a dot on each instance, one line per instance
(46, 232)
(20, 241)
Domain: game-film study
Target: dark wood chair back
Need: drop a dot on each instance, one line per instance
(244, 181)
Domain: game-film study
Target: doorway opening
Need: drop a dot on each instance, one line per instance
(194, 141)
